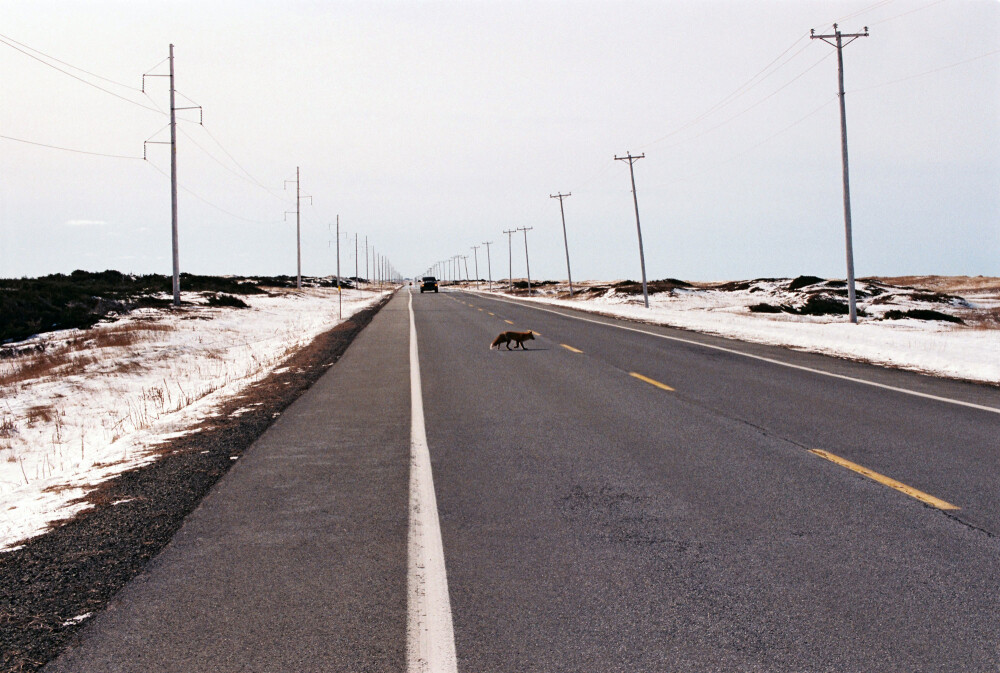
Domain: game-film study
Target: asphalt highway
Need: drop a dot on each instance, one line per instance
(617, 497)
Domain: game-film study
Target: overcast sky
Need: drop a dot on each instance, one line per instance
(431, 127)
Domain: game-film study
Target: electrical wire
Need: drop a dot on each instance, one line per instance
(762, 100)
(69, 149)
(928, 72)
(766, 140)
(79, 79)
(740, 90)
(209, 203)
(68, 65)
(918, 9)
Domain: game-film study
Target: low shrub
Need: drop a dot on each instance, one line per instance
(226, 300)
(922, 314)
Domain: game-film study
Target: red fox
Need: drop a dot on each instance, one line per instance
(518, 337)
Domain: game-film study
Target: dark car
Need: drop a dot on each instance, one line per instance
(429, 283)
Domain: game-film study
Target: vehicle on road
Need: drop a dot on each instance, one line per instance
(428, 283)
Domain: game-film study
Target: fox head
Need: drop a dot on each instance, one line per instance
(530, 335)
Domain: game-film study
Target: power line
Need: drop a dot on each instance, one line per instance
(928, 72)
(209, 203)
(747, 109)
(740, 90)
(912, 11)
(80, 79)
(68, 65)
(68, 149)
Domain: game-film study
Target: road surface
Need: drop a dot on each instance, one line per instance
(618, 497)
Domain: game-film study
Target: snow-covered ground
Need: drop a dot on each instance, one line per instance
(96, 402)
(968, 351)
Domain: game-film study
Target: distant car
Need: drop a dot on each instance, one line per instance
(429, 283)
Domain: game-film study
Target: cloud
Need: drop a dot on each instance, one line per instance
(86, 223)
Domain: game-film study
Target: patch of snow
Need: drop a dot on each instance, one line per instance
(926, 346)
(105, 409)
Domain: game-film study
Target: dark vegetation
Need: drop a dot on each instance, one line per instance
(30, 306)
(78, 566)
(922, 314)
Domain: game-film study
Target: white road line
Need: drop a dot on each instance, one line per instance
(884, 386)
(430, 638)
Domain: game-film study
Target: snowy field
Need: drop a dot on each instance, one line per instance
(969, 351)
(96, 402)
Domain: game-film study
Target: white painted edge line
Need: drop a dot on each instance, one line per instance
(884, 386)
(430, 638)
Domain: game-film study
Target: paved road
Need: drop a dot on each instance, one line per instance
(591, 520)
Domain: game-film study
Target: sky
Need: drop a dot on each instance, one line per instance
(431, 127)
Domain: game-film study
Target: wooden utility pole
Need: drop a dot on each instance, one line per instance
(526, 263)
(173, 186)
(840, 44)
(510, 258)
(489, 266)
(475, 258)
(298, 227)
(642, 258)
(569, 274)
(340, 295)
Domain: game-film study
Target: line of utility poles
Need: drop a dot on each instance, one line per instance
(837, 39)
(840, 44)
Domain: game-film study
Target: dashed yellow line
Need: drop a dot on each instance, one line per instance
(650, 381)
(884, 480)
(570, 348)
(509, 322)
(493, 314)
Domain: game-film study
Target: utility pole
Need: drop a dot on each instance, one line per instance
(298, 227)
(465, 259)
(569, 274)
(510, 258)
(175, 255)
(340, 295)
(642, 259)
(173, 187)
(489, 267)
(368, 279)
(526, 230)
(475, 258)
(840, 44)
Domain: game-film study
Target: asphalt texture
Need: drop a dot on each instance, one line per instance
(591, 521)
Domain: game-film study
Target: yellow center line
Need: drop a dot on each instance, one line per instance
(493, 314)
(509, 322)
(479, 310)
(884, 480)
(570, 348)
(650, 381)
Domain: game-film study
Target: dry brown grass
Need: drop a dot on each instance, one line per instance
(74, 356)
(947, 284)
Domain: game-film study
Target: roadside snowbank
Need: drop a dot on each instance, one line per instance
(927, 346)
(96, 402)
